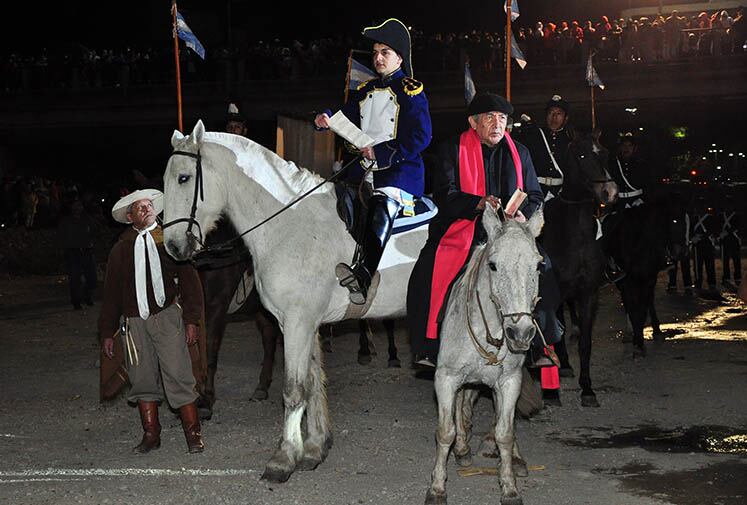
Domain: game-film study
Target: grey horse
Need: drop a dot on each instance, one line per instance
(487, 328)
(294, 256)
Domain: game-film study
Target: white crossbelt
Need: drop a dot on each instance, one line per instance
(550, 181)
(554, 164)
(629, 194)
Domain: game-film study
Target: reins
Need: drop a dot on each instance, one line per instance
(198, 186)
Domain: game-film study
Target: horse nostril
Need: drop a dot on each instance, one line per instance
(510, 333)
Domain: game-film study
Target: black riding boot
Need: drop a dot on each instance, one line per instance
(357, 277)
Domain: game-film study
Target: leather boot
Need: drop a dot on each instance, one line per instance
(191, 425)
(357, 277)
(151, 427)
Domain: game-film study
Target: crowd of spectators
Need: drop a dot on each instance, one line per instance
(658, 38)
(39, 202)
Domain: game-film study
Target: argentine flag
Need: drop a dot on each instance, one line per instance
(469, 85)
(592, 78)
(188, 37)
(516, 53)
(514, 9)
(359, 73)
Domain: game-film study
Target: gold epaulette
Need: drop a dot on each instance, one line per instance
(411, 86)
(363, 85)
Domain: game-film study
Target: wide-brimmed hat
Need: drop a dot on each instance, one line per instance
(394, 34)
(119, 211)
(489, 102)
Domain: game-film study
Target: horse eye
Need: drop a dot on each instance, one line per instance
(183, 178)
(492, 266)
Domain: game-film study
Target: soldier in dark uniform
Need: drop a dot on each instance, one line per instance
(549, 145)
(393, 111)
(630, 172)
(731, 243)
(235, 121)
(680, 210)
(703, 239)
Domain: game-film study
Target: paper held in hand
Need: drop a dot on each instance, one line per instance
(515, 202)
(342, 126)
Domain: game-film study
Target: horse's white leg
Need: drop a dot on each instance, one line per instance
(446, 389)
(505, 395)
(318, 435)
(299, 340)
(465, 402)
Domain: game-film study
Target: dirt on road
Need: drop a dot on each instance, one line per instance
(671, 429)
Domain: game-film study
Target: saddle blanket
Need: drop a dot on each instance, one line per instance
(425, 210)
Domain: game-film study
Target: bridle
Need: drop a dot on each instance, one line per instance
(199, 194)
(491, 357)
(583, 161)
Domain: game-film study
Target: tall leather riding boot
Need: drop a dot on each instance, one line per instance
(191, 425)
(357, 277)
(151, 427)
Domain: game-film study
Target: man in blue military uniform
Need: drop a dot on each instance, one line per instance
(393, 110)
(549, 145)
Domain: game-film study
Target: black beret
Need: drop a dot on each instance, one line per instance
(557, 101)
(489, 102)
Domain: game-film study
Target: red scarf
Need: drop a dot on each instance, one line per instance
(454, 247)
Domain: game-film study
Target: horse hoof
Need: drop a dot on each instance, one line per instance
(259, 395)
(205, 413)
(364, 359)
(464, 460)
(520, 467)
(394, 363)
(511, 500)
(276, 475)
(566, 372)
(432, 498)
(589, 400)
(308, 463)
(659, 336)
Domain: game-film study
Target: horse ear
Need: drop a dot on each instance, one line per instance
(490, 221)
(197, 133)
(175, 138)
(536, 222)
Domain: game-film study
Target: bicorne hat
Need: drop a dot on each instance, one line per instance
(119, 211)
(394, 34)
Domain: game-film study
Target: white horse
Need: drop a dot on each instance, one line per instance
(294, 258)
(490, 305)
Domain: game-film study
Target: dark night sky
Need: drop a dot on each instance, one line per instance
(100, 24)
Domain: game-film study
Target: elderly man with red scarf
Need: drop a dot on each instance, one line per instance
(481, 166)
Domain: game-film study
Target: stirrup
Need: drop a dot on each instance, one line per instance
(348, 279)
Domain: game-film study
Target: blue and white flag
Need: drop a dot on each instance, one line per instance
(359, 73)
(188, 37)
(591, 74)
(516, 53)
(514, 9)
(469, 85)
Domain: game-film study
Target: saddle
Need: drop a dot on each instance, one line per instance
(353, 211)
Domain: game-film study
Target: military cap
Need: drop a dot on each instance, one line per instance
(557, 101)
(394, 34)
(489, 102)
(234, 114)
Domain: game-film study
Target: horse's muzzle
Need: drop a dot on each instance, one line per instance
(180, 251)
(519, 333)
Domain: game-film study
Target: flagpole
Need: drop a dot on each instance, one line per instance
(508, 50)
(347, 76)
(593, 110)
(178, 71)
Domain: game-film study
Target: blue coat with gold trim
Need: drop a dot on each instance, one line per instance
(394, 112)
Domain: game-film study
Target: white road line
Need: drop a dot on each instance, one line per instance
(51, 473)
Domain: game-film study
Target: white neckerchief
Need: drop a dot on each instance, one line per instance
(145, 238)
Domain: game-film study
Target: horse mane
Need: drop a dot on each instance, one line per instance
(298, 179)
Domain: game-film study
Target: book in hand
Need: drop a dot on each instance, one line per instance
(514, 202)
